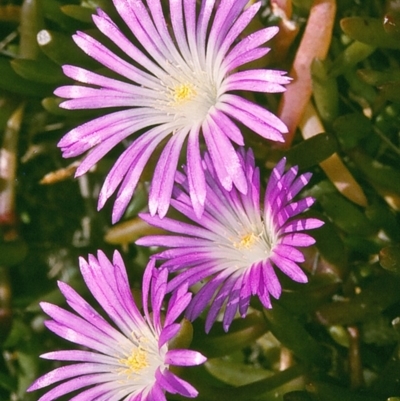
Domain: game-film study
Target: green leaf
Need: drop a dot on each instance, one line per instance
(330, 244)
(44, 71)
(312, 151)
(330, 392)
(373, 299)
(325, 91)
(370, 31)
(376, 172)
(389, 258)
(13, 252)
(377, 78)
(62, 49)
(83, 14)
(235, 373)
(14, 83)
(353, 54)
(242, 332)
(7, 382)
(383, 218)
(351, 128)
(346, 215)
(292, 334)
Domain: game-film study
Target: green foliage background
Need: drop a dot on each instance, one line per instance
(334, 339)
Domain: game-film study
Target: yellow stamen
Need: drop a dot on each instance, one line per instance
(246, 242)
(135, 362)
(183, 93)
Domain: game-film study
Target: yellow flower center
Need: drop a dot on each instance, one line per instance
(183, 93)
(246, 242)
(135, 362)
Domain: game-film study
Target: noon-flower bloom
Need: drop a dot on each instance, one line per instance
(129, 359)
(236, 246)
(173, 82)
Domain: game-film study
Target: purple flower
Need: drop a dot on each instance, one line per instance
(128, 362)
(176, 83)
(235, 247)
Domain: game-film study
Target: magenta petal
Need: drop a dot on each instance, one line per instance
(77, 356)
(130, 174)
(237, 28)
(156, 393)
(82, 308)
(169, 240)
(163, 179)
(265, 299)
(293, 209)
(170, 77)
(89, 77)
(177, 20)
(289, 252)
(179, 301)
(98, 151)
(173, 225)
(232, 305)
(271, 280)
(88, 340)
(298, 239)
(146, 281)
(90, 134)
(74, 384)
(195, 173)
(129, 14)
(225, 15)
(180, 357)
(255, 278)
(298, 185)
(167, 333)
(202, 25)
(111, 30)
(105, 372)
(245, 293)
(157, 294)
(258, 81)
(95, 393)
(174, 385)
(231, 252)
(255, 117)
(247, 57)
(116, 302)
(220, 299)
(301, 225)
(226, 125)
(290, 268)
(251, 42)
(203, 297)
(66, 372)
(104, 56)
(224, 157)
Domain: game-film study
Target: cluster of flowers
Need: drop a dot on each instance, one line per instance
(176, 82)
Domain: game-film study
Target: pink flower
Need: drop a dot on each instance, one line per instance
(176, 85)
(236, 246)
(127, 360)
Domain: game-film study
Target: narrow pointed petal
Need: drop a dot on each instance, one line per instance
(233, 250)
(124, 358)
(172, 77)
(183, 357)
